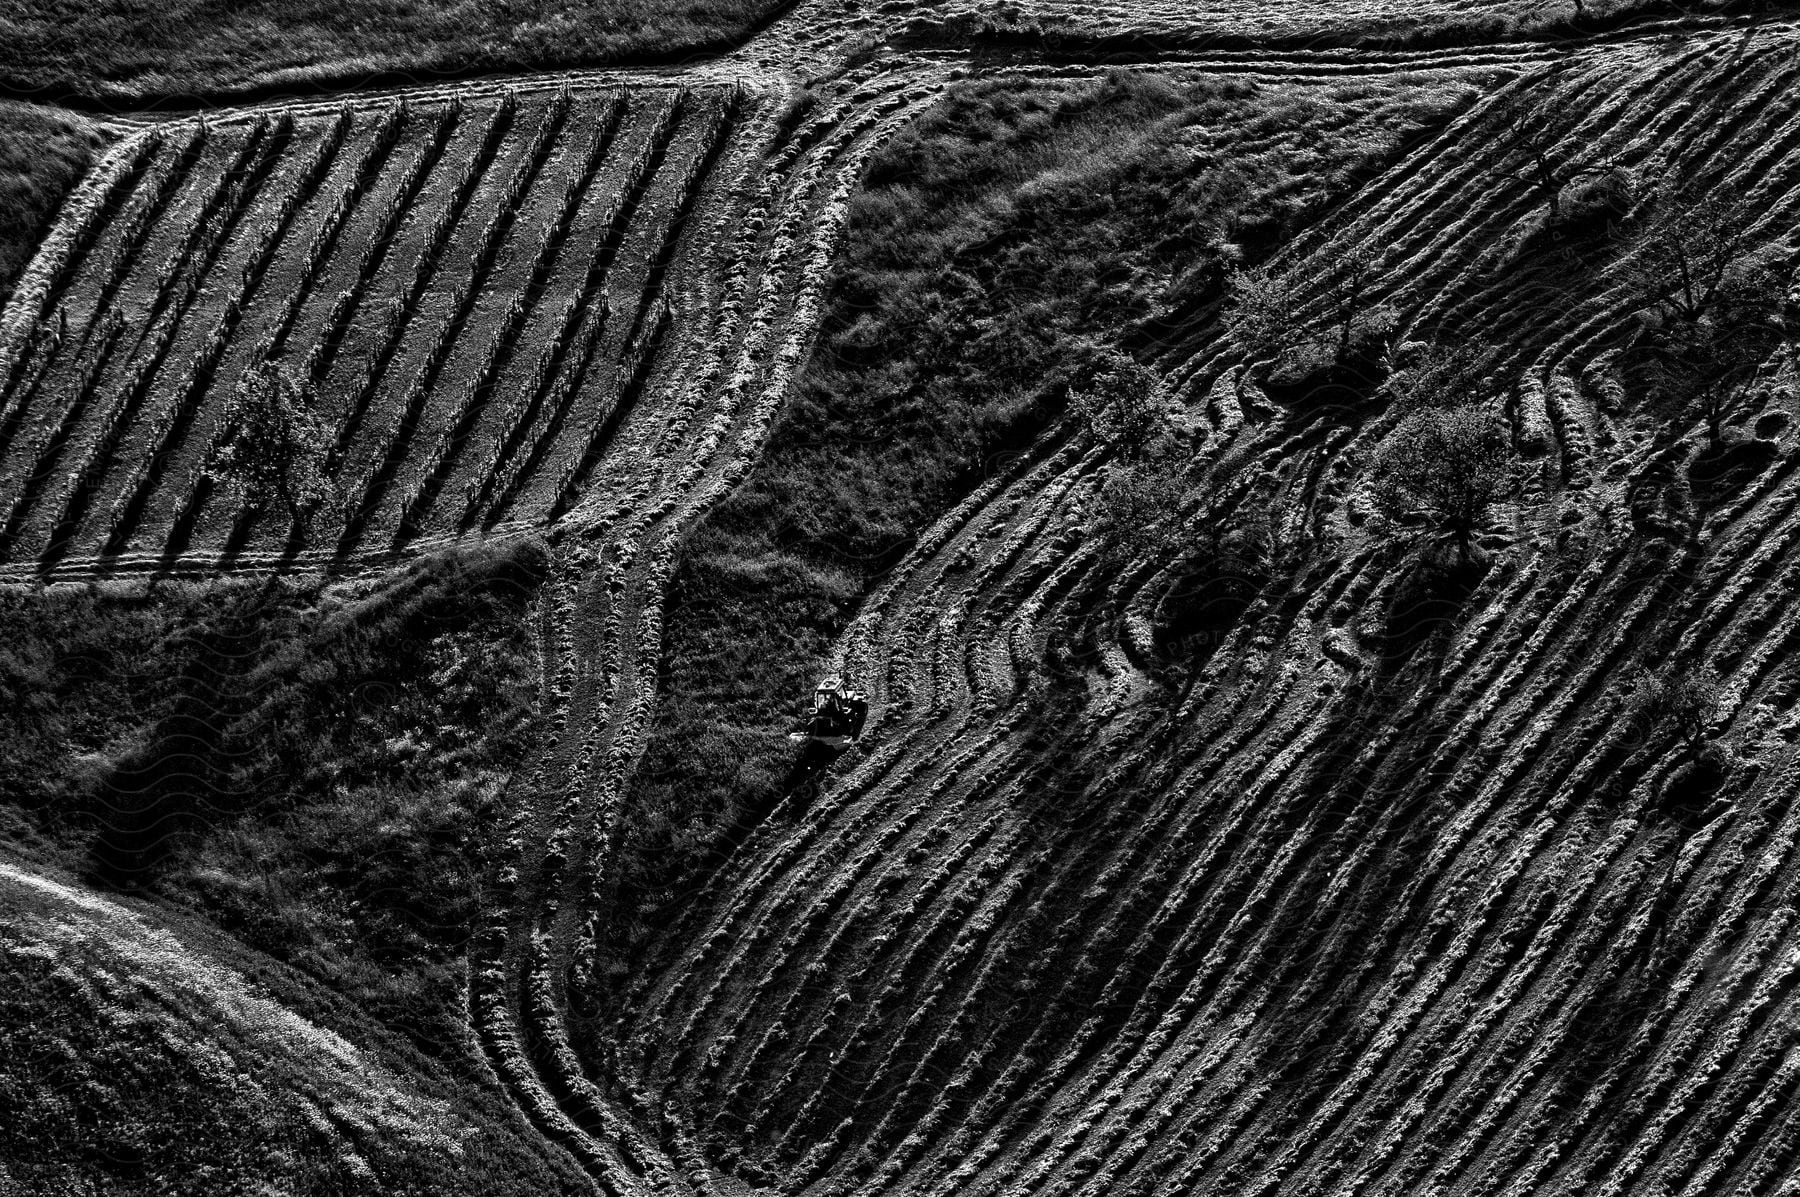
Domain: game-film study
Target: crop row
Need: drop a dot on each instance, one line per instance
(1314, 921)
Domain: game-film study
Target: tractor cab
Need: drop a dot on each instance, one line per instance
(836, 718)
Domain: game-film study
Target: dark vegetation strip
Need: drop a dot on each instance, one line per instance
(131, 234)
(122, 415)
(88, 228)
(322, 157)
(495, 360)
(182, 269)
(171, 421)
(655, 314)
(372, 160)
(199, 381)
(1008, 235)
(640, 361)
(43, 469)
(516, 414)
(557, 397)
(369, 269)
(645, 170)
(1060, 39)
(190, 55)
(362, 175)
(567, 372)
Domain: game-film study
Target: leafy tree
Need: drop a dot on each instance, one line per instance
(1121, 402)
(1443, 471)
(1137, 512)
(277, 445)
(1686, 701)
(1261, 314)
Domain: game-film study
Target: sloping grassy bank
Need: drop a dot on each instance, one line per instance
(141, 1053)
(999, 244)
(43, 154)
(313, 770)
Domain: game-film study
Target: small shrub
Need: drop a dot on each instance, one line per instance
(1440, 374)
(1137, 513)
(1596, 204)
(1675, 703)
(1122, 404)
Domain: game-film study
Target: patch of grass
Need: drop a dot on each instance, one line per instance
(43, 154)
(125, 1070)
(121, 49)
(315, 770)
(999, 245)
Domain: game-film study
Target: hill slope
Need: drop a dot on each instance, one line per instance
(1374, 885)
(1241, 810)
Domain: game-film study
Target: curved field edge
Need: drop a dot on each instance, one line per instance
(600, 633)
(44, 153)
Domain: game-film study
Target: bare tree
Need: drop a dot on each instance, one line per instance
(276, 448)
(1698, 254)
(1349, 283)
(1443, 471)
(1530, 146)
(1713, 368)
(1714, 300)
(1263, 312)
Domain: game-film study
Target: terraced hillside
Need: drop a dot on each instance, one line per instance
(1263, 851)
(404, 262)
(1343, 896)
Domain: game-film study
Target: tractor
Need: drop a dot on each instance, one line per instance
(830, 728)
(836, 718)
